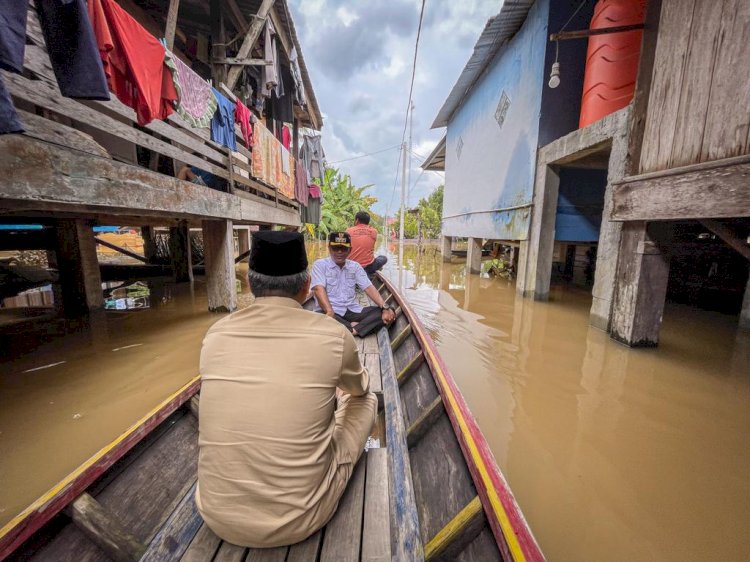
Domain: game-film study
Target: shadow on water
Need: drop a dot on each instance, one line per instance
(612, 453)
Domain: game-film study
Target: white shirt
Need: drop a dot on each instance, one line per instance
(340, 283)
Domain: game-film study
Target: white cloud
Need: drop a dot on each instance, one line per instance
(359, 55)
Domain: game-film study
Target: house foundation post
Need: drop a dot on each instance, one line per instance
(218, 248)
(474, 255)
(180, 253)
(80, 279)
(447, 248)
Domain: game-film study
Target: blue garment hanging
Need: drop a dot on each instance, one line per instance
(222, 123)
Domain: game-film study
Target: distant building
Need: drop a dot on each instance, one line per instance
(525, 166)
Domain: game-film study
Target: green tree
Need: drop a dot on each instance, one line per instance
(341, 201)
(430, 213)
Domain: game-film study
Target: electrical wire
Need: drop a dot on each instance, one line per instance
(365, 155)
(411, 91)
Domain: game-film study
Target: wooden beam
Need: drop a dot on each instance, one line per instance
(173, 539)
(413, 365)
(713, 189)
(286, 44)
(642, 92)
(195, 405)
(424, 422)
(253, 32)
(725, 233)
(174, 6)
(406, 541)
(585, 33)
(104, 530)
(117, 248)
(463, 528)
(241, 62)
(400, 338)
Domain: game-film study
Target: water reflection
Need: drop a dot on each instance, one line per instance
(613, 454)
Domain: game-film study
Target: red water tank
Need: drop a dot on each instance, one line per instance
(611, 60)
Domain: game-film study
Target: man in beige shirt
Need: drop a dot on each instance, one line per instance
(277, 446)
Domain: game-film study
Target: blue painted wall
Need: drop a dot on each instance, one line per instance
(579, 205)
(496, 165)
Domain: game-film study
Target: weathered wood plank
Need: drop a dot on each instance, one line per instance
(669, 64)
(360, 345)
(171, 26)
(728, 116)
(716, 189)
(173, 539)
(52, 131)
(267, 554)
(306, 550)
(343, 534)
(424, 422)
(406, 543)
(229, 552)
(203, 546)
(410, 368)
(459, 532)
(371, 344)
(729, 236)
(694, 90)
(400, 338)
(372, 364)
(104, 530)
(376, 532)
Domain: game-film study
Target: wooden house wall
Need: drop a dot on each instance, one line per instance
(699, 104)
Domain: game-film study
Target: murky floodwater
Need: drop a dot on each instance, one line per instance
(613, 454)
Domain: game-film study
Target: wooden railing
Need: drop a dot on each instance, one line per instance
(172, 138)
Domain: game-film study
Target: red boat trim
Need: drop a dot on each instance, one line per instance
(30, 520)
(512, 533)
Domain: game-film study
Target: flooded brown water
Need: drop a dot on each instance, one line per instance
(613, 454)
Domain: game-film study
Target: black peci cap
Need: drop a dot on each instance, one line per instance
(278, 254)
(340, 239)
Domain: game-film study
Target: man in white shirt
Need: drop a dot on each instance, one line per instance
(334, 283)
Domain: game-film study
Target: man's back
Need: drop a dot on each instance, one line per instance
(267, 459)
(363, 243)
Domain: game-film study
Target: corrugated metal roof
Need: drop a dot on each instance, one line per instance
(435, 162)
(497, 32)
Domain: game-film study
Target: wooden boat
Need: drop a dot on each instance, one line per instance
(431, 492)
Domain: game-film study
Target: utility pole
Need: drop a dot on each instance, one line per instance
(403, 192)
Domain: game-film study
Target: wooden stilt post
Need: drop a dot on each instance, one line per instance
(641, 284)
(474, 255)
(180, 253)
(80, 280)
(149, 243)
(447, 248)
(218, 248)
(745, 312)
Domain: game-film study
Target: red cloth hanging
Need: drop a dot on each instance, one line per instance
(286, 137)
(242, 117)
(133, 62)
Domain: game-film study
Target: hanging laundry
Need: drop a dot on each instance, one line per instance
(70, 44)
(312, 212)
(286, 135)
(133, 62)
(301, 182)
(312, 156)
(299, 87)
(270, 75)
(243, 117)
(285, 157)
(267, 163)
(197, 103)
(222, 124)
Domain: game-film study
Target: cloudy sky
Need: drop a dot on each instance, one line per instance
(359, 54)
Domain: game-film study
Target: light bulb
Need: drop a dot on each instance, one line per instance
(554, 76)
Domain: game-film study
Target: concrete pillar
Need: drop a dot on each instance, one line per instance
(180, 253)
(80, 280)
(243, 240)
(521, 266)
(447, 248)
(535, 282)
(609, 237)
(149, 243)
(640, 284)
(218, 252)
(745, 312)
(474, 255)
